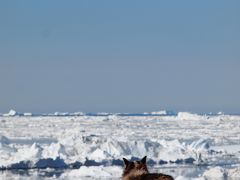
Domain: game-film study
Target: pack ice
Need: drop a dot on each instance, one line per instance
(98, 143)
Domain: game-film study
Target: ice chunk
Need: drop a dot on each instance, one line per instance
(27, 114)
(189, 116)
(162, 112)
(234, 173)
(94, 172)
(11, 113)
(216, 172)
(4, 140)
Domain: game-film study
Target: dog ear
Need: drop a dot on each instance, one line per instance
(126, 162)
(144, 160)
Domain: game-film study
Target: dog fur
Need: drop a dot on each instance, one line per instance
(138, 170)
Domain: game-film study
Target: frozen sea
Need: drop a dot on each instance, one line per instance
(91, 146)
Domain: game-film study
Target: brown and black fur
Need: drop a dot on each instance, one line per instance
(138, 170)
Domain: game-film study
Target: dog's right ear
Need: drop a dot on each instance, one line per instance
(126, 162)
(144, 160)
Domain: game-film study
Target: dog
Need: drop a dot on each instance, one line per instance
(138, 170)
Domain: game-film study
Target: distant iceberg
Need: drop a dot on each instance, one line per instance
(189, 116)
(161, 113)
(27, 114)
(61, 114)
(77, 114)
(11, 113)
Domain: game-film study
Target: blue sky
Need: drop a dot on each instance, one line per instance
(120, 56)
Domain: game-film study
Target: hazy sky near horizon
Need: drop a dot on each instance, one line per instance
(120, 56)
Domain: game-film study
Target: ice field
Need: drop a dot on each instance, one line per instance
(81, 146)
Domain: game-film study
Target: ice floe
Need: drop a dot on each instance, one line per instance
(95, 144)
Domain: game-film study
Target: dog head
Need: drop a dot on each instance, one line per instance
(135, 167)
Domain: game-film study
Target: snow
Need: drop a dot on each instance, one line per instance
(234, 173)
(94, 171)
(97, 144)
(216, 172)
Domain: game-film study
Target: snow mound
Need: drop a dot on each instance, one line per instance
(99, 171)
(216, 172)
(221, 173)
(234, 173)
(54, 151)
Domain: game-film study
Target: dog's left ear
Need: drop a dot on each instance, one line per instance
(144, 160)
(126, 162)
